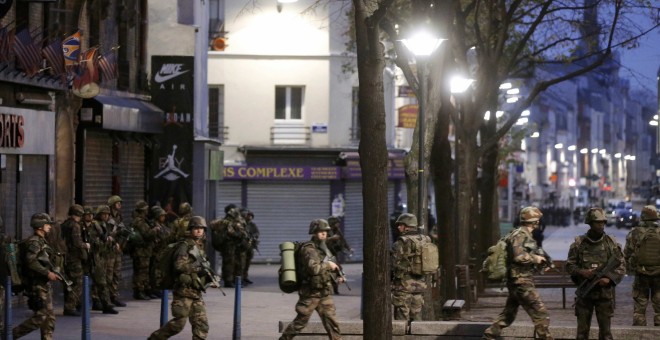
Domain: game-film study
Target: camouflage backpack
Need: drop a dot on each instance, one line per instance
(162, 273)
(288, 286)
(425, 259)
(494, 266)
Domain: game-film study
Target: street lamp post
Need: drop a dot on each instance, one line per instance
(422, 46)
(457, 85)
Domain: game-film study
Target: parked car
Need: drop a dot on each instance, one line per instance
(627, 219)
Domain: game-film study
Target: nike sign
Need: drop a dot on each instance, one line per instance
(169, 71)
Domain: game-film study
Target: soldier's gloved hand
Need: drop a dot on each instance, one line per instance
(604, 281)
(537, 259)
(201, 272)
(333, 266)
(586, 273)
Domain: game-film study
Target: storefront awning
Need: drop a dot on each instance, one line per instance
(129, 114)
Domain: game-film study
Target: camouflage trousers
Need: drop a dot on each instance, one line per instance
(249, 255)
(100, 290)
(233, 261)
(522, 295)
(74, 272)
(407, 306)
(185, 308)
(2, 307)
(43, 318)
(599, 299)
(113, 273)
(643, 287)
(306, 305)
(141, 274)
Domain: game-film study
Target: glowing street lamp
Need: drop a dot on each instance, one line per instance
(422, 45)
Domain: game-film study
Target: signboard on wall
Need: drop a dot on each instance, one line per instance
(408, 116)
(25, 131)
(172, 90)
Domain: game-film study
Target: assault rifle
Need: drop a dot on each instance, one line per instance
(587, 285)
(45, 261)
(208, 271)
(548, 264)
(339, 271)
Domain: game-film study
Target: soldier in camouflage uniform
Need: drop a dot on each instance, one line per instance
(102, 247)
(253, 232)
(77, 251)
(586, 256)
(162, 237)
(141, 246)
(39, 273)
(231, 239)
(407, 288)
(114, 259)
(189, 285)
(643, 260)
(316, 287)
(522, 260)
(181, 223)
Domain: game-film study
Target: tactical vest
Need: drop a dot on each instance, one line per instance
(648, 247)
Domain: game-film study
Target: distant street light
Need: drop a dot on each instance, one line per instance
(422, 45)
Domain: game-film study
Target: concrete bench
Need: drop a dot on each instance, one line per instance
(353, 329)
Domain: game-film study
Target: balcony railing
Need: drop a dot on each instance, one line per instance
(221, 132)
(290, 134)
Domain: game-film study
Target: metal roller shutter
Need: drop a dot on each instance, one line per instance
(227, 192)
(131, 177)
(353, 230)
(283, 211)
(8, 197)
(97, 172)
(34, 188)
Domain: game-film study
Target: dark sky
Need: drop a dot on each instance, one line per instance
(641, 65)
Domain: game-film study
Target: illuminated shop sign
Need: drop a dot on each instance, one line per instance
(282, 172)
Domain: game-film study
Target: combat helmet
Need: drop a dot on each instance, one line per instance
(332, 220)
(185, 208)
(318, 225)
(595, 215)
(649, 213)
(141, 206)
(197, 222)
(39, 220)
(76, 210)
(102, 209)
(88, 210)
(113, 199)
(530, 214)
(157, 211)
(407, 219)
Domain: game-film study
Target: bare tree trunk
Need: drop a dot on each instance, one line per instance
(373, 160)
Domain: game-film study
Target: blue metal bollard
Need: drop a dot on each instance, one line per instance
(7, 334)
(86, 303)
(164, 313)
(236, 333)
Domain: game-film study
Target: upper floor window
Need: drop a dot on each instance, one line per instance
(288, 102)
(217, 128)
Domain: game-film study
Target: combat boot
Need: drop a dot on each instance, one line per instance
(117, 303)
(96, 305)
(155, 294)
(139, 295)
(109, 310)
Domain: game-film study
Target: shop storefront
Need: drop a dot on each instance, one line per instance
(285, 197)
(27, 147)
(115, 137)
